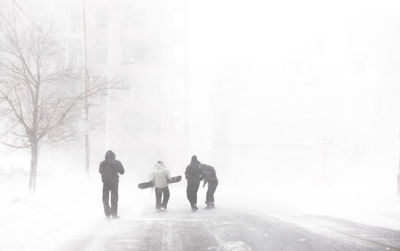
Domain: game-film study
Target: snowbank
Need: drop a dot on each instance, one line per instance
(60, 210)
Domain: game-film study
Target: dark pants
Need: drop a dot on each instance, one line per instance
(191, 192)
(113, 187)
(212, 186)
(164, 193)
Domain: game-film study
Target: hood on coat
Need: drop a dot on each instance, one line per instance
(194, 160)
(159, 165)
(110, 155)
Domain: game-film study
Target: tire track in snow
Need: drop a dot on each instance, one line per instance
(223, 236)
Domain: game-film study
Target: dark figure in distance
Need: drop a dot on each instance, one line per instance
(210, 177)
(193, 176)
(160, 177)
(109, 169)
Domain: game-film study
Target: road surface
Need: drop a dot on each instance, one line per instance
(227, 229)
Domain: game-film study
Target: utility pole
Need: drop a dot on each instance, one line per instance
(398, 178)
(86, 87)
(109, 65)
(398, 181)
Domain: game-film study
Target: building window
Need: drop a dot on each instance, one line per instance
(179, 20)
(179, 53)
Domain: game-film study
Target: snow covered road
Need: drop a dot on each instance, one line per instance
(226, 229)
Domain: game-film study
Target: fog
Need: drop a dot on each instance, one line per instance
(284, 91)
(283, 98)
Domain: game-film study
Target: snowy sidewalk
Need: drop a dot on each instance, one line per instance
(46, 218)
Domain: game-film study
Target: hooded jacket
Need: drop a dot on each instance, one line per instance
(160, 176)
(109, 168)
(208, 174)
(193, 172)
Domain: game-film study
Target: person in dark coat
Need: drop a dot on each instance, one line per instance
(210, 177)
(193, 177)
(109, 169)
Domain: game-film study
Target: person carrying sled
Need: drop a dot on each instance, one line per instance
(109, 170)
(160, 177)
(193, 177)
(210, 177)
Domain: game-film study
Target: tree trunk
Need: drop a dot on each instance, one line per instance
(87, 153)
(34, 165)
(86, 85)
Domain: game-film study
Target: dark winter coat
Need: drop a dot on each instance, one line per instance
(193, 173)
(109, 169)
(208, 174)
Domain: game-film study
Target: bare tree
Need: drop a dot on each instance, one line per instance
(41, 97)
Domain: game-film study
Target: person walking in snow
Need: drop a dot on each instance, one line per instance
(210, 177)
(193, 177)
(160, 177)
(109, 170)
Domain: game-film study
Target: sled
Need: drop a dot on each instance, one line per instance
(149, 184)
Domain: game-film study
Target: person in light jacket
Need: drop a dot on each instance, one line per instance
(160, 177)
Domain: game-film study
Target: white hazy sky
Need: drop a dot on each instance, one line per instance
(298, 71)
(290, 72)
(298, 60)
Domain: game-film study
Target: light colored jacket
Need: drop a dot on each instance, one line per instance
(160, 176)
